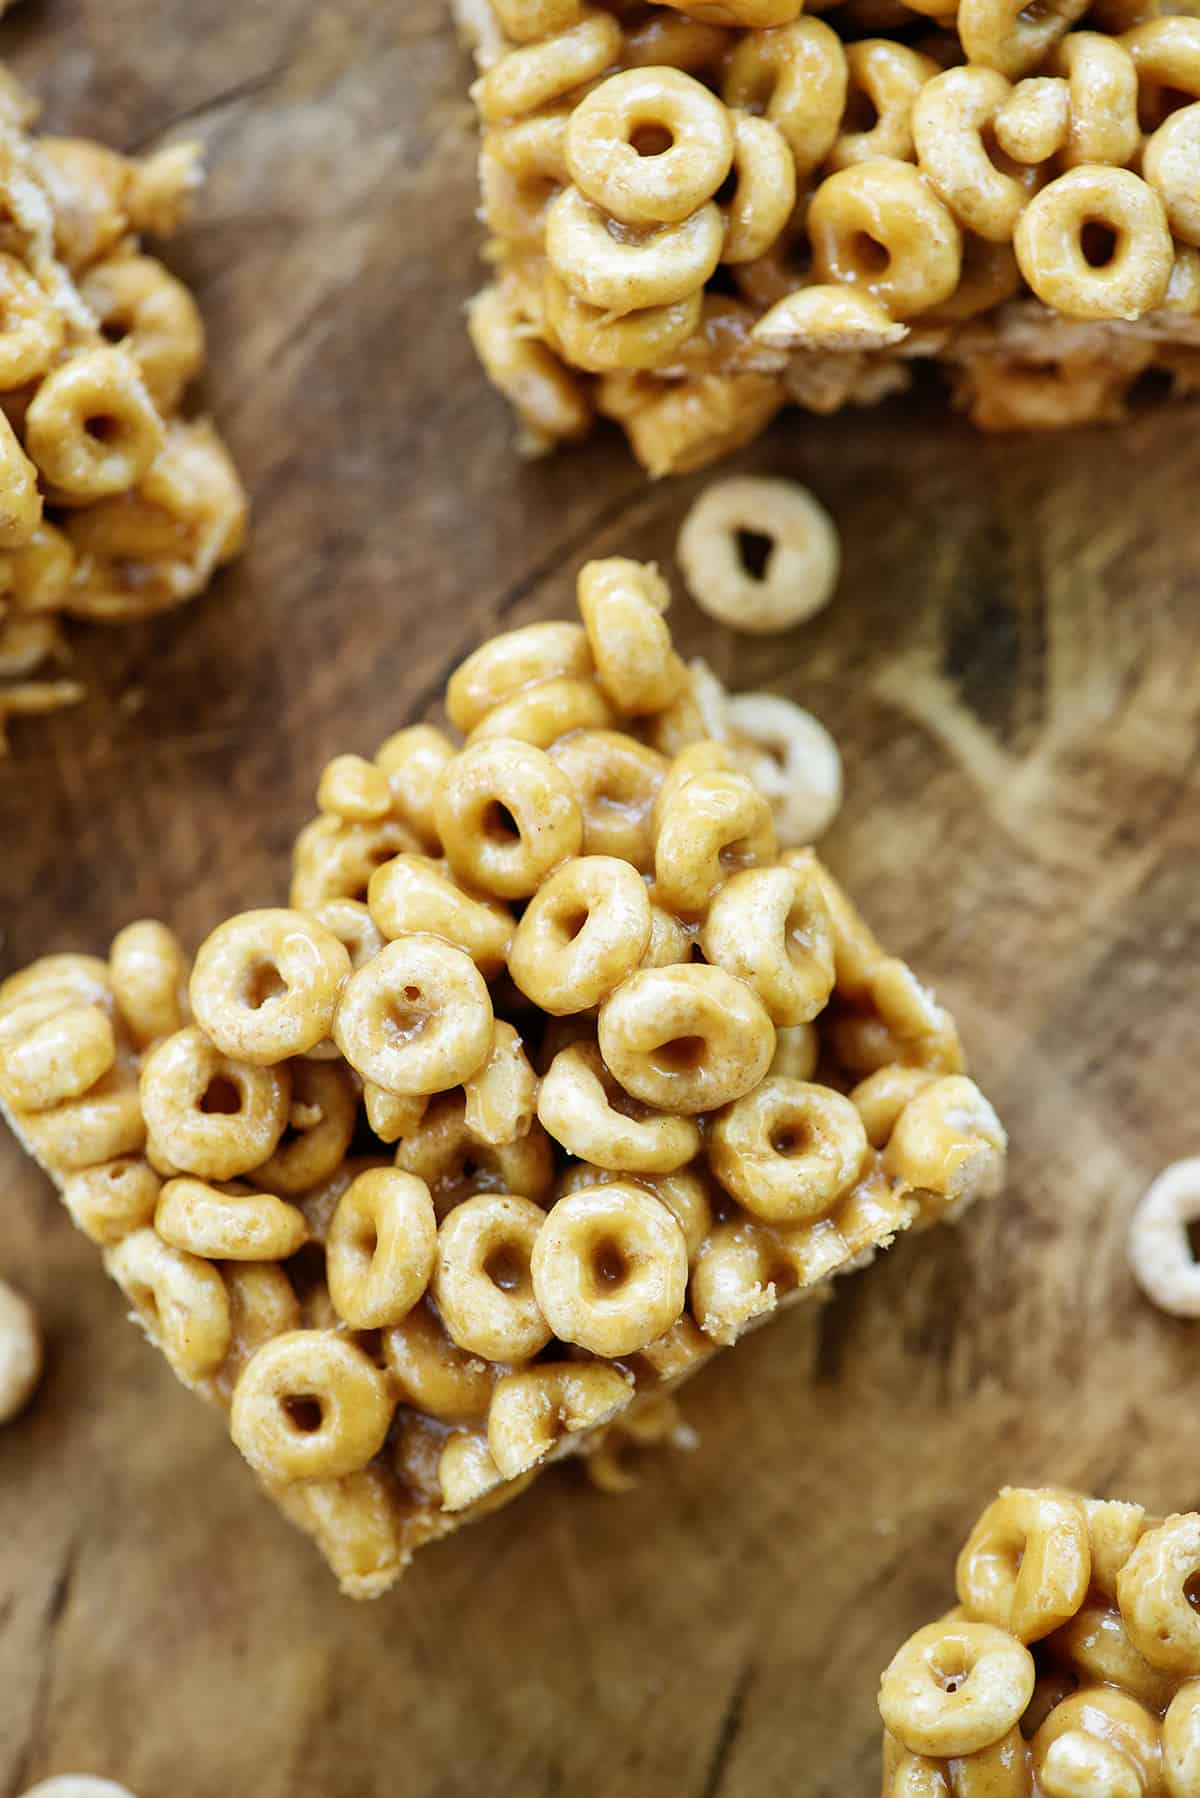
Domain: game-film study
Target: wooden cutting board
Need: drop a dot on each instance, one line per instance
(1012, 668)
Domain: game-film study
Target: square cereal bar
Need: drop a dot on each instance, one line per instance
(560, 1071)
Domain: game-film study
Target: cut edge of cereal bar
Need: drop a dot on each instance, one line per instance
(399, 1177)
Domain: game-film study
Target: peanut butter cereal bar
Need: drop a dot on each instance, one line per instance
(702, 211)
(113, 504)
(1070, 1667)
(556, 1075)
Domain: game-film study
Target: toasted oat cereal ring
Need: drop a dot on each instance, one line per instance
(91, 426)
(228, 1226)
(594, 340)
(1159, 1250)
(52, 1051)
(686, 1039)
(616, 781)
(712, 826)
(1099, 1743)
(207, 1113)
(534, 75)
(179, 1300)
(1034, 122)
(380, 1249)
(322, 1117)
(801, 569)
(1027, 1563)
(655, 266)
(1181, 1741)
(482, 1283)
(1012, 37)
(771, 927)
(583, 1108)
(795, 763)
(788, 1151)
(796, 75)
(265, 985)
(764, 189)
(510, 662)
(153, 317)
(880, 225)
(412, 893)
(1166, 55)
(955, 1688)
(824, 316)
(541, 714)
(1171, 164)
(433, 1374)
(1154, 1591)
(416, 1019)
(531, 1410)
(1096, 243)
(649, 146)
(610, 1269)
(148, 970)
(884, 79)
(1095, 1645)
(309, 1405)
(113, 1198)
(507, 815)
(581, 934)
(622, 604)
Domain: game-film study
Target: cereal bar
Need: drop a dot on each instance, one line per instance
(557, 1074)
(1070, 1667)
(702, 211)
(113, 504)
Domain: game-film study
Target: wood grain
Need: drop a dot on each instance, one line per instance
(1013, 670)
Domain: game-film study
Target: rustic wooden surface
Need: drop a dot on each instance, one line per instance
(1013, 670)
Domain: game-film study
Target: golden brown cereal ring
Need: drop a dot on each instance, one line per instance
(510, 662)
(1004, 35)
(352, 924)
(179, 1300)
(955, 1688)
(622, 605)
(1154, 1593)
(884, 80)
(20, 498)
(1053, 249)
(712, 827)
(581, 934)
(616, 781)
(1181, 1741)
(796, 75)
(32, 326)
(537, 74)
(771, 927)
(610, 1269)
(321, 1122)
(265, 985)
(481, 1278)
(764, 189)
(583, 1108)
(688, 136)
(1027, 1563)
(1103, 99)
(57, 1057)
(880, 224)
(1095, 1645)
(413, 894)
(1159, 1249)
(543, 713)
(228, 1226)
(91, 426)
(551, 404)
(662, 264)
(686, 1039)
(207, 1113)
(413, 760)
(507, 815)
(417, 1019)
(951, 115)
(380, 1248)
(433, 1374)
(1171, 164)
(113, 1198)
(502, 1097)
(530, 1411)
(154, 319)
(309, 1405)
(592, 339)
(355, 789)
(1097, 1742)
(149, 970)
(788, 1151)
